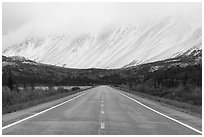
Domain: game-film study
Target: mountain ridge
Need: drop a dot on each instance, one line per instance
(113, 47)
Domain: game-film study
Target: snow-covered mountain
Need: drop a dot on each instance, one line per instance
(114, 46)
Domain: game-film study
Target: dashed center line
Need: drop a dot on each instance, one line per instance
(102, 112)
(102, 105)
(102, 125)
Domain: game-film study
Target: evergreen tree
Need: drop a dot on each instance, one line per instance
(10, 81)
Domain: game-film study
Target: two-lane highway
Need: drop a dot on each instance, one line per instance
(101, 110)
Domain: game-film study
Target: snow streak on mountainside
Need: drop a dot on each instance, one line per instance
(114, 47)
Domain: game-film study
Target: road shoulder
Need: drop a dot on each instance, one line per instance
(191, 120)
(18, 115)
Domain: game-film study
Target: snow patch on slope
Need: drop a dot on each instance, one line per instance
(114, 47)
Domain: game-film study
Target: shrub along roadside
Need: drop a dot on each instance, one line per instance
(186, 107)
(191, 95)
(16, 100)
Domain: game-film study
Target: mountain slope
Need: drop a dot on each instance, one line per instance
(115, 46)
(25, 70)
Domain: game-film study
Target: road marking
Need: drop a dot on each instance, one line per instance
(36, 114)
(102, 125)
(162, 114)
(102, 105)
(102, 112)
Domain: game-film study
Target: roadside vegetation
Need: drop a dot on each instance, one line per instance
(181, 84)
(177, 86)
(181, 105)
(16, 99)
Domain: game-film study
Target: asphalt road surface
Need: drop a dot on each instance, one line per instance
(101, 110)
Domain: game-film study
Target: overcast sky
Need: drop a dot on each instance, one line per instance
(23, 19)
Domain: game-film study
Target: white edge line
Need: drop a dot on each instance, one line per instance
(161, 113)
(17, 122)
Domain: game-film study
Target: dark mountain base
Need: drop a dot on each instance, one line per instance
(178, 78)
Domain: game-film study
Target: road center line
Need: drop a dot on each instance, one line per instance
(102, 125)
(36, 114)
(161, 114)
(102, 112)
